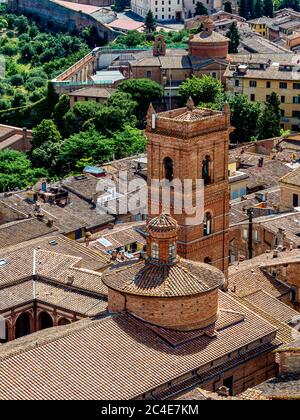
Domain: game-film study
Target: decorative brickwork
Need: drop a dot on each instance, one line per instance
(188, 139)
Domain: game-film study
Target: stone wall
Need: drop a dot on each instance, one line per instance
(60, 17)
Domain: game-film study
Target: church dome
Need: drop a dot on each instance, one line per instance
(208, 43)
(166, 290)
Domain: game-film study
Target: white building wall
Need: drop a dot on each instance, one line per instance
(162, 9)
(172, 9)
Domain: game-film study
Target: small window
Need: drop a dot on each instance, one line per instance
(253, 83)
(268, 85)
(169, 168)
(283, 85)
(295, 200)
(256, 236)
(155, 251)
(206, 170)
(172, 251)
(207, 224)
(245, 234)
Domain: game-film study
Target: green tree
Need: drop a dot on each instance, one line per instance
(201, 90)
(74, 119)
(60, 110)
(17, 80)
(21, 24)
(250, 9)
(16, 171)
(259, 9)
(120, 5)
(45, 132)
(48, 156)
(243, 9)
(143, 92)
(134, 38)
(269, 120)
(19, 99)
(289, 4)
(234, 38)
(87, 144)
(150, 23)
(269, 8)
(228, 7)
(244, 118)
(200, 9)
(128, 142)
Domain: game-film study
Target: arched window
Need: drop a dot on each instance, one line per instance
(64, 321)
(207, 224)
(45, 321)
(172, 251)
(23, 325)
(168, 168)
(155, 251)
(206, 170)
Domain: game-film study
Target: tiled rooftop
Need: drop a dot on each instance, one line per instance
(152, 279)
(292, 178)
(117, 359)
(23, 230)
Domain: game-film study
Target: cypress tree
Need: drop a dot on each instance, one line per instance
(200, 9)
(150, 22)
(269, 8)
(259, 9)
(228, 7)
(234, 38)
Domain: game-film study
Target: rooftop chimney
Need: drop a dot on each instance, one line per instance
(50, 223)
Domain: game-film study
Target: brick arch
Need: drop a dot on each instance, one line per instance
(211, 227)
(23, 325)
(208, 158)
(45, 320)
(63, 321)
(168, 167)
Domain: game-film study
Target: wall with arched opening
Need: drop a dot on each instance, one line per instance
(23, 325)
(44, 321)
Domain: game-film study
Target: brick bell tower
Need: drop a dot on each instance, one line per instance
(192, 143)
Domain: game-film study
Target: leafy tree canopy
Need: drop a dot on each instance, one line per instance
(204, 89)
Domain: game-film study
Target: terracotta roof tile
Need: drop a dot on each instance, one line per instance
(114, 358)
(151, 279)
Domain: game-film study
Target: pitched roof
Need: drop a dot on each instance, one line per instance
(292, 178)
(23, 230)
(117, 357)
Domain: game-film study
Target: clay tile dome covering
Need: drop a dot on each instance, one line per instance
(181, 297)
(208, 44)
(166, 290)
(162, 223)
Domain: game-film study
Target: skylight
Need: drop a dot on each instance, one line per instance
(2, 262)
(104, 242)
